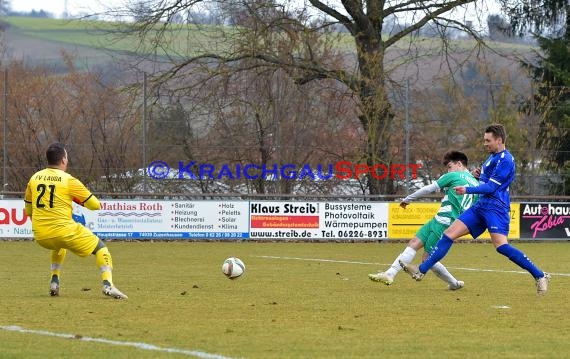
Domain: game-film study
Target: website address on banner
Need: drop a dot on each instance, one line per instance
(281, 234)
(324, 234)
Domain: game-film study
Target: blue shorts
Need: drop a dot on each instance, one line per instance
(478, 219)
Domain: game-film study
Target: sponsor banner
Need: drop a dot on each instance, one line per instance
(318, 220)
(170, 219)
(515, 227)
(354, 220)
(276, 220)
(144, 219)
(14, 223)
(404, 223)
(284, 220)
(264, 221)
(545, 220)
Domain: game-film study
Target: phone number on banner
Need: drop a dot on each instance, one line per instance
(171, 235)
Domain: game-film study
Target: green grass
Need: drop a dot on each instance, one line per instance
(192, 39)
(284, 307)
(181, 39)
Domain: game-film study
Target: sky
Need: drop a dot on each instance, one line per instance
(57, 7)
(79, 7)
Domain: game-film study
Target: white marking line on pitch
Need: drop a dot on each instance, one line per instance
(145, 346)
(383, 264)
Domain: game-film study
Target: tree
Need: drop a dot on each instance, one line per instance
(5, 7)
(538, 17)
(552, 102)
(499, 28)
(451, 115)
(94, 120)
(550, 22)
(270, 33)
(250, 121)
(168, 128)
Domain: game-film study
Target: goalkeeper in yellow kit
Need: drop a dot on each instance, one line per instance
(48, 202)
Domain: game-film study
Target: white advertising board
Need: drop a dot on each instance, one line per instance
(318, 220)
(216, 220)
(144, 219)
(14, 223)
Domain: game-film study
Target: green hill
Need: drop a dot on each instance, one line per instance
(41, 41)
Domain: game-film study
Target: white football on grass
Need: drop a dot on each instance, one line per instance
(233, 267)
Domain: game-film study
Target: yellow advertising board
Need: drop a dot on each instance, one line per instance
(404, 223)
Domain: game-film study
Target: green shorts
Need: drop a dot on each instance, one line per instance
(430, 233)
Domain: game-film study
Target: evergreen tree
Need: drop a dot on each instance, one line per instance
(549, 20)
(552, 72)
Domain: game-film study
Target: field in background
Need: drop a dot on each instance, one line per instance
(297, 300)
(108, 36)
(92, 36)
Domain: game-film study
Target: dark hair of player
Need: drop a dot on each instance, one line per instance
(455, 156)
(55, 153)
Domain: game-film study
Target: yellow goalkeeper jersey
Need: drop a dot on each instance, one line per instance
(48, 201)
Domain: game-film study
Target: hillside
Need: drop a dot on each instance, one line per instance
(39, 41)
(43, 41)
(34, 51)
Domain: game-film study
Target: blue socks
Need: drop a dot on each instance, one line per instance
(515, 255)
(439, 251)
(520, 259)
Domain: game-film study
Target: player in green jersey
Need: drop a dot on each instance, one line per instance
(452, 205)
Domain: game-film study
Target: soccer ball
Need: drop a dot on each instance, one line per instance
(233, 267)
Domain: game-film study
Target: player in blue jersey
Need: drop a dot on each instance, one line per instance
(491, 211)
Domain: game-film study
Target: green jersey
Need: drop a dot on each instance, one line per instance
(453, 204)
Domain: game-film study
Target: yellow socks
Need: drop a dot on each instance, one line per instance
(57, 258)
(103, 260)
(105, 263)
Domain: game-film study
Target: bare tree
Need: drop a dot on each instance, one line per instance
(301, 41)
(265, 120)
(96, 122)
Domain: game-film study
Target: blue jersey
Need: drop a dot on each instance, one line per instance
(497, 173)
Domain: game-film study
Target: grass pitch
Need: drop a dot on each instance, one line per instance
(296, 300)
